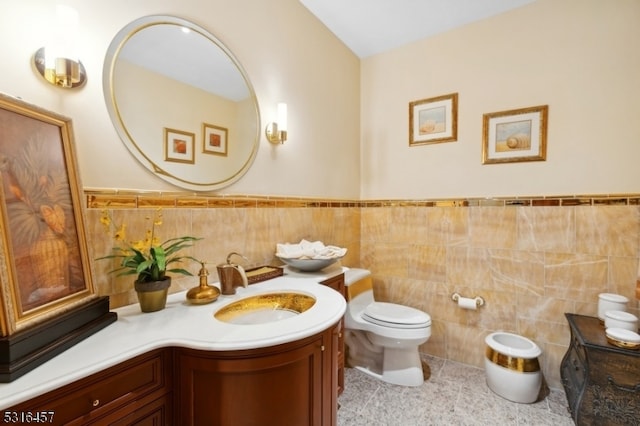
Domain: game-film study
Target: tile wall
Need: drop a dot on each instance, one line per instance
(248, 225)
(531, 259)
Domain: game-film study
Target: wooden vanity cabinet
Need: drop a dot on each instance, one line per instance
(601, 381)
(295, 383)
(289, 384)
(337, 283)
(137, 391)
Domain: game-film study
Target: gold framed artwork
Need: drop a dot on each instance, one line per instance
(44, 264)
(433, 120)
(214, 139)
(179, 146)
(515, 135)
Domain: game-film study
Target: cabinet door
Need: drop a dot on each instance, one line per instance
(99, 394)
(337, 283)
(235, 389)
(612, 395)
(573, 373)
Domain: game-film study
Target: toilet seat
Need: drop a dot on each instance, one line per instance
(395, 316)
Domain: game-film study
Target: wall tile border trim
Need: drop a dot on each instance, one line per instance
(130, 199)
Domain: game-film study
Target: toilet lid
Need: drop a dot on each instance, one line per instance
(397, 316)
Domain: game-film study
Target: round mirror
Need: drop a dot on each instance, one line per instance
(181, 103)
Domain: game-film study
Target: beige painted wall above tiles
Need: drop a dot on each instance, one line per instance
(348, 119)
(579, 57)
(287, 53)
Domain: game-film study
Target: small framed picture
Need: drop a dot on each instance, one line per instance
(515, 135)
(179, 146)
(433, 120)
(214, 139)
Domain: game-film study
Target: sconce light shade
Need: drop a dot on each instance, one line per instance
(61, 72)
(282, 116)
(277, 131)
(58, 62)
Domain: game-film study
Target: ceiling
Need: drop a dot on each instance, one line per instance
(369, 27)
(191, 57)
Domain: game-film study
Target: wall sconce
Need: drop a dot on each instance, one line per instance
(58, 61)
(277, 131)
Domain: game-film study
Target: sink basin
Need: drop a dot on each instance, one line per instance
(264, 308)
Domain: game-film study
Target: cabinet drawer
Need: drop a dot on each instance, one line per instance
(617, 368)
(104, 391)
(579, 351)
(576, 367)
(156, 412)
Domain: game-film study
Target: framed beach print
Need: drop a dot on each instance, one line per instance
(179, 146)
(214, 139)
(44, 265)
(433, 120)
(515, 135)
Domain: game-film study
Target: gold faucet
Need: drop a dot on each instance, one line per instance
(231, 275)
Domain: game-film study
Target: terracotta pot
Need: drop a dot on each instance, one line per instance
(152, 295)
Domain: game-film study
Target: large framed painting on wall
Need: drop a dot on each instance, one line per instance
(44, 265)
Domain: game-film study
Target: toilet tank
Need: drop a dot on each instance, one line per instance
(359, 288)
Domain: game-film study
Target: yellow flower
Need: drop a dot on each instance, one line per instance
(120, 234)
(105, 220)
(156, 256)
(158, 219)
(140, 245)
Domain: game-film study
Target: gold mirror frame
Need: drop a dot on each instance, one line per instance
(212, 169)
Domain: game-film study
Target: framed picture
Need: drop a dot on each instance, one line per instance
(214, 139)
(179, 146)
(515, 135)
(44, 264)
(433, 120)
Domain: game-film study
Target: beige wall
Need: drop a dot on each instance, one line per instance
(580, 57)
(289, 56)
(182, 107)
(531, 263)
(252, 230)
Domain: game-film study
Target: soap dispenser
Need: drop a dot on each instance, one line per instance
(204, 293)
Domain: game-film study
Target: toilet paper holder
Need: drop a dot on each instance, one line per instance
(479, 300)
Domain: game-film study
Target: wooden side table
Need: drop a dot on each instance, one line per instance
(602, 381)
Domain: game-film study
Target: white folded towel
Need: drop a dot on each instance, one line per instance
(309, 250)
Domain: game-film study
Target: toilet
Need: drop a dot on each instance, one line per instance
(512, 367)
(382, 338)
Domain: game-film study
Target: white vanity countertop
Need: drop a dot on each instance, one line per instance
(184, 325)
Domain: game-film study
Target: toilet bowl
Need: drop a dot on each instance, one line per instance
(512, 367)
(382, 338)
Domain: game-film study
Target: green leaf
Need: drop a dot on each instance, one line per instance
(160, 256)
(180, 271)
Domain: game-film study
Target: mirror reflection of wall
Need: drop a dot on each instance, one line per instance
(181, 103)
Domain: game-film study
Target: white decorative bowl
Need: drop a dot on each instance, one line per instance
(611, 302)
(309, 265)
(623, 338)
(621, 319)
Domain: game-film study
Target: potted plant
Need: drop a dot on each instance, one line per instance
(148, 259)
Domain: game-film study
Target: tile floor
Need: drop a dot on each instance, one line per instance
(454, 394)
